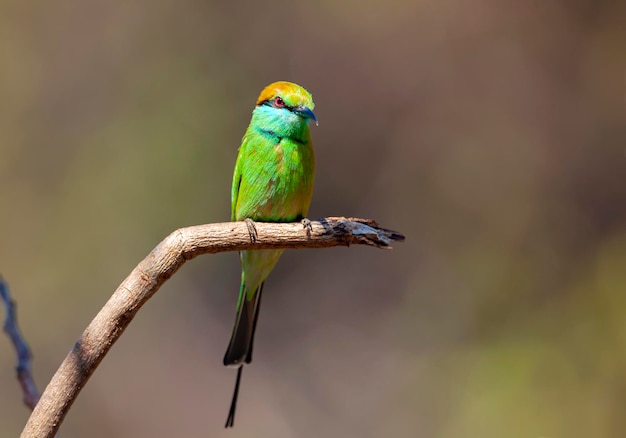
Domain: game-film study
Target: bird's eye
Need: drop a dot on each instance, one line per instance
(279, 102)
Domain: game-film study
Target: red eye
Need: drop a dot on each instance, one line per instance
(279, 102)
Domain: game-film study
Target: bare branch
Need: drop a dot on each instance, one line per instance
(164, 260)
(22, 369)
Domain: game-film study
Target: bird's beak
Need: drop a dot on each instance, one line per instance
(305, 112)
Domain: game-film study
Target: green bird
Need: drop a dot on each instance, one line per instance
(273, 182)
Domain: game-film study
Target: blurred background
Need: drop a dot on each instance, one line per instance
(490, 132)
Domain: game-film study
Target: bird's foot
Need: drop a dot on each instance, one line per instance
(251, 229)
(306, 223)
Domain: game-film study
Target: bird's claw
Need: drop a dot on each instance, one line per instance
(306, 223)
(251, 229)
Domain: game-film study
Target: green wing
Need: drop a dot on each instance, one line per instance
(234, 193)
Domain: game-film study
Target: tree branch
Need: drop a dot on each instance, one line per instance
(164, 260)
(22, 369)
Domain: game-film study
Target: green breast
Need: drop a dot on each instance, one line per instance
(275, 178)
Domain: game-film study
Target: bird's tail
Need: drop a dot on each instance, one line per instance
(240, 347)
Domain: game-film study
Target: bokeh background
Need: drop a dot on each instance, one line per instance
(490, 132)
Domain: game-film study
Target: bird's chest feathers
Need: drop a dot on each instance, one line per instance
(278, 158)
(280, 179)
(283, 162)
(281, 155)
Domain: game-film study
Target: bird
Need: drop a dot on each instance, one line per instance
(272, 182)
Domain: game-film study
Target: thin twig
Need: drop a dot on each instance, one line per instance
(164, 260)
(24, 357)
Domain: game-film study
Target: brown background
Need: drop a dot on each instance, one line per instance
(490, 132)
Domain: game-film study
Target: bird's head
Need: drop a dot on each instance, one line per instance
(284, 108)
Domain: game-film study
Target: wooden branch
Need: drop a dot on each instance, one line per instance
(164, 260)
(24, 357)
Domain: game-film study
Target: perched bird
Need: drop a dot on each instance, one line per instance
(273, 182)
